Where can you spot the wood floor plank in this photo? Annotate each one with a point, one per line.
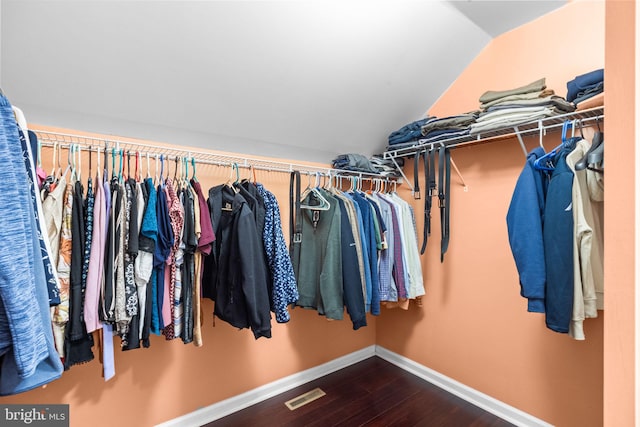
(369, 393)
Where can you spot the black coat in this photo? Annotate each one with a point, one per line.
(235, 273)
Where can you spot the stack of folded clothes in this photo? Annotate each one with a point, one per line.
(438, 129)
(585, 86)
(353, 162)
(514, 107)
(407, 135)
(386, 167)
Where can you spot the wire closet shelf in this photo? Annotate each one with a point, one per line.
(540, 127)
(169, 153)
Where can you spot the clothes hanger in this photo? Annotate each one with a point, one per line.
(542, 133)
(113, 163)
(137, 170)
(597, 157)
(68, 168)
(126, 161)
(155, 172)
(106, 162)
(175, 172)
(545, 163)
(193, 166)
(598, 139)
(98, 161)
(148, 167)
(53, 158)
(329, 184)
(324, 203)
(90, 169)
(72, 162)
(79, 165)
(121, 165)
(162, 170)
(232, 184)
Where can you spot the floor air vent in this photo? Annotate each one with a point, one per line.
(303, 399)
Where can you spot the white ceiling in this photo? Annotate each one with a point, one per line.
(295, 79)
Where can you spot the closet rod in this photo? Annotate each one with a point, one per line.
(49, 138)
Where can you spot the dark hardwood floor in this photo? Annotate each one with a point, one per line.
(373, 392)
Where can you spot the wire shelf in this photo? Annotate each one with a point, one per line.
(540, 126)
(168, 153)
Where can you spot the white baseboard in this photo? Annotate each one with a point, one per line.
(475, 397)
(228, 406)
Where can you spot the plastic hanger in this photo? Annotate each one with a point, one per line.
(113, 163)
(186, 171)
(598, 139)
(324, 203)
(128, 164)
(545, 163)
(162, 170)
(148, 167)
(90, 156)
(106, 162)
(234, 173)
(137, 172)
(98, 169)
(193, 166)
(69, 154)
(175, 172)
(121, 165)
(78, 167)
(53, 158)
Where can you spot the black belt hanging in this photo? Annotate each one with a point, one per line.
(444, 178)
(430, 185)
(416, 177)
(295, 220)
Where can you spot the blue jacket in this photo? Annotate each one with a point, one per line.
(558, 245)
(351, 279)
(525, 219)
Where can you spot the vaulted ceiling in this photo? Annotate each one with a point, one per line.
(294, 79)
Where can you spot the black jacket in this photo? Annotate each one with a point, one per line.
(235, 274)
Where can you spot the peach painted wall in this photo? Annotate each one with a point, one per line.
(171, 379)
(620, 77)
(474, 326)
